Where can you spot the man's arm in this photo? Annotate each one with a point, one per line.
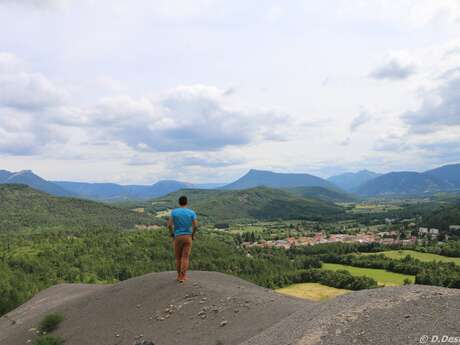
(194, 227)
(171, 227)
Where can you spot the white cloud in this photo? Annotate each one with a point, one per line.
(29, 92)
(397, 66)
(38, 3)
(9, 63)
(26, 108)
(392, 143)
(440, 108)
(360, 120)
(25, 133)
(188, 118)
(95, 92)
(23, 90)
(405, 13)
(206, 161)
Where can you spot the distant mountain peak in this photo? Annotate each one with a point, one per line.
(350, 181)
(259, 171)
(23, 172)
(27, 177)
(255, 178)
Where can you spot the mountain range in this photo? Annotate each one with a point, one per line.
(112, 191)
(98, 191)
(341, 187)
(442, 179)
(256, 178)
(28, 178)
(351, 181)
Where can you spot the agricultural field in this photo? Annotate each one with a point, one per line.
(366, 208)
(382, 277)
(312, 291)
(164, 213)
(246, 228)
(426, 257)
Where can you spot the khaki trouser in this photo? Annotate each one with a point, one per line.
(182, 249)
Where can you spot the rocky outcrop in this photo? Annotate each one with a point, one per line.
(217, 309)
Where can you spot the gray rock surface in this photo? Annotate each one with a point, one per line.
(384, 316)
(217, 309)
(156, 308)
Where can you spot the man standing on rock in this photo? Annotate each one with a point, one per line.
(182, 225)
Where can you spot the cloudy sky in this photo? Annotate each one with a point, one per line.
(201, 91)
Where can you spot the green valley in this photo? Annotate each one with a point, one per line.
(276, 238)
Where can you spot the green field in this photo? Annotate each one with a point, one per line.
(426, 257)
(246, 228)
(381, 276)
(312, 291)
(374, 208)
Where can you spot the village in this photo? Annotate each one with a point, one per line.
(393, 237)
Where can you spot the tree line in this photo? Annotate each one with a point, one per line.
(31, 262)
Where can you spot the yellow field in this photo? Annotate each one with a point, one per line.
(374, 208)
(312, 291)
(161, 214)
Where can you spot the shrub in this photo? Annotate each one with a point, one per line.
(50, 322)
(48, 340)
(407, 281)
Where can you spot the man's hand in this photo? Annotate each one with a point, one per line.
(194, 228)
(171, 227)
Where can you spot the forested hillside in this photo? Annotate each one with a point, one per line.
(22, 207)
(443, 217)
(325, 194)
(32, 262)
(257, 203)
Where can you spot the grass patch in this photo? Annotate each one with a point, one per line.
(50, 322)
(426, 257)
(48, 340)
(374, 208)
(312, 291)
(382, 277)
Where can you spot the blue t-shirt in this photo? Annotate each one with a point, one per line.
(182, 219)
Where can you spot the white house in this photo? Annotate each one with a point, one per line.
(422, 231)
(434, 231)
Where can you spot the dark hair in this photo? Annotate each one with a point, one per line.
(183, 200)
